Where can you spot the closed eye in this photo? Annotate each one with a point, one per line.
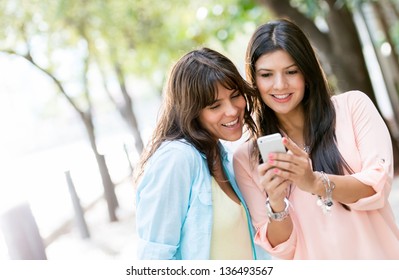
(236, 94)
(214, 106)
(265, 75)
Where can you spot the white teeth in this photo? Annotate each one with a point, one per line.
(231, 123)
(281, 96)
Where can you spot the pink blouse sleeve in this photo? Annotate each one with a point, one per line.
(247, 177)
(248, 181)
(375, 149)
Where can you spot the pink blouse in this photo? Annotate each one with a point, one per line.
(369, 230)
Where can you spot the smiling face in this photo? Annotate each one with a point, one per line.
(280, 82)
(224, 118)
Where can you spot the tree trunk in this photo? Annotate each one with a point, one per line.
(350, 69)
(389, 62)
(127, 110)
(109, 188)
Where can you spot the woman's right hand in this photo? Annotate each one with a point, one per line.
(275, 187)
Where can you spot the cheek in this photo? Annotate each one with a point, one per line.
(263, 85)
(303, 86)
(299, 81)
(264, 97)
(242, 104)
(207, 119)
(202, 119)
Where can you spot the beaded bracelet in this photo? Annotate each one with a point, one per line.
(326, 203)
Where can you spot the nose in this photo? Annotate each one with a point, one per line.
(231, 109)
(280, 82)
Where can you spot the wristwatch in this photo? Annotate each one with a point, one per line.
(279, 216)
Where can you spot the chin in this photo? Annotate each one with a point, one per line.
(233, 138)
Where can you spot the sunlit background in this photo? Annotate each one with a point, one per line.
(62, 60)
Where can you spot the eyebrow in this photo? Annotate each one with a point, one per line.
(265, 69)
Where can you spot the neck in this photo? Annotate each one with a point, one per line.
(292, 126)
(218, 171)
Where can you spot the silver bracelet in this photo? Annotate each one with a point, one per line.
(279, 216)
(326, 202)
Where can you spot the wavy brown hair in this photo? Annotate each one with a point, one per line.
(192, 86)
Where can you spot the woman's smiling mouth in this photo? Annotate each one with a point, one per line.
(231, 124)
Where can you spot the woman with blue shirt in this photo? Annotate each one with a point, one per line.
(188, 205)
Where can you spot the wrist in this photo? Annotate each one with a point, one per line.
(280, 215)
(318, 185)
(325, 199)
(276, 205)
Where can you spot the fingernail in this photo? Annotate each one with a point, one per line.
(271, 161)
(271, 156)
(275, 170)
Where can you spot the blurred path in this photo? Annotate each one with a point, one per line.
(116, 240)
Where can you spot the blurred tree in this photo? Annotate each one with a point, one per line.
(32, 24)
(331, 28)
(68, 40)
(383, 17)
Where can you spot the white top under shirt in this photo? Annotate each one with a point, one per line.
(230, 236)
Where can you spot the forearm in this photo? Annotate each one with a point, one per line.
(278, 231)
(347, 188)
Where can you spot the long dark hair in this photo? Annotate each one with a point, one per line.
(191, 87)
(320, 119)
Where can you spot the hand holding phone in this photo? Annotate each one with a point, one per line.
(269, 144)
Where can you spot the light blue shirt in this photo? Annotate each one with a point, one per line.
(174, 204)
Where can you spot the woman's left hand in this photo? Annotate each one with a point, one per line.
(294, 166)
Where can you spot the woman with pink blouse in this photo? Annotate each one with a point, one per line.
(327, 197)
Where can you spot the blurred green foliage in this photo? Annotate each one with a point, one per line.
(144, 37)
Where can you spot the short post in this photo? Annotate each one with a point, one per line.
(79, 213)
(21, 234)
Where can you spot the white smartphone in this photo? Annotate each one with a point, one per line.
(269, 144)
